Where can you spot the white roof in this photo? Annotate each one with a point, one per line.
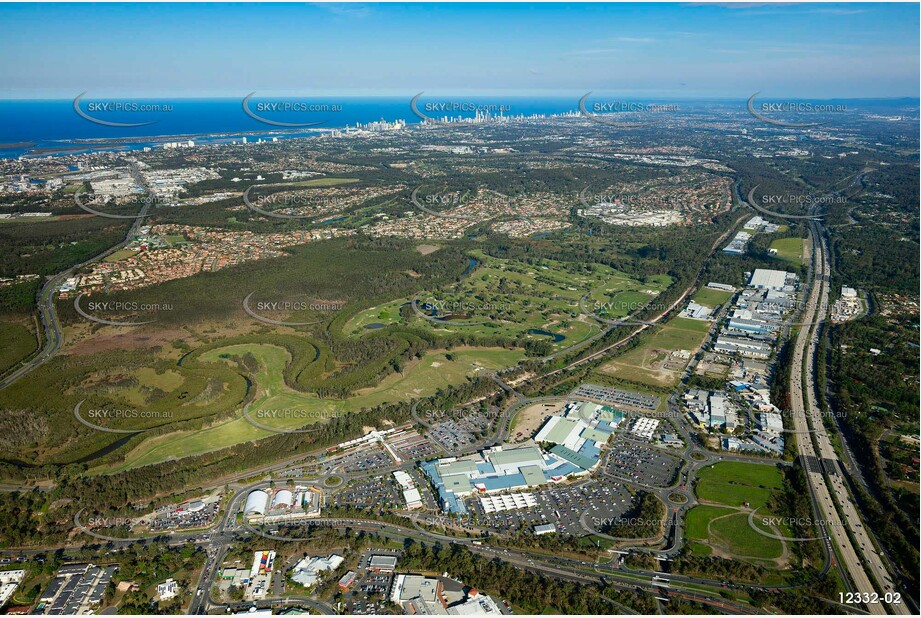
(405, 481)
(283, 496)
(764, 278)
(256, 502)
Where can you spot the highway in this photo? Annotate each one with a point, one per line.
(227, 529)
(819, 459)
(859, 558)
(53, 336)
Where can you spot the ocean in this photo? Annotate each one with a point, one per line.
(39, 127)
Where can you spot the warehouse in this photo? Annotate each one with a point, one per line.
(764, 278)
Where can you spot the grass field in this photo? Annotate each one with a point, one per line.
(121, 254)
(646, 364)
(18, 342)
(789, 249)
(733, 533)
(522, 301)
(698, 518)
(699, 549)
(711, 298)
(723, 527)
(285, 408)
(734, 483)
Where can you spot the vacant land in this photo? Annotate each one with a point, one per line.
(789, 249)
(528, 420)
(733, 533)
(426, 249)
(711, 298)
(653, 362)
(729, 491)
(735, 483)
(698, 520)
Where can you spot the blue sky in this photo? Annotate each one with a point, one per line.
(673, 50)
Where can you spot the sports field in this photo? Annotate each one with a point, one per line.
(277, 405)
(121, 254)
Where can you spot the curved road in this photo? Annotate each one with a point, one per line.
(53, 336)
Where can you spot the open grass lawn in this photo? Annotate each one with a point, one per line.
(789, 249)
(643, 363)
(279, 406)
(698, 518)
(711, 298)
(726, 528)
(734, 533)
(734, 483)
(699, 549)
(121, 254)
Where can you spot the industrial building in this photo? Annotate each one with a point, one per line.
(76, 589)
(761, 225)
(711, 410)
(764, 278)
(743, 347)
(695, 311)
(738, 244)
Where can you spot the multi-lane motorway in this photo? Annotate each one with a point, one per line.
(840, 521)
(844, 532)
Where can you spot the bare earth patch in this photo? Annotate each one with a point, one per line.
(528, 420)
